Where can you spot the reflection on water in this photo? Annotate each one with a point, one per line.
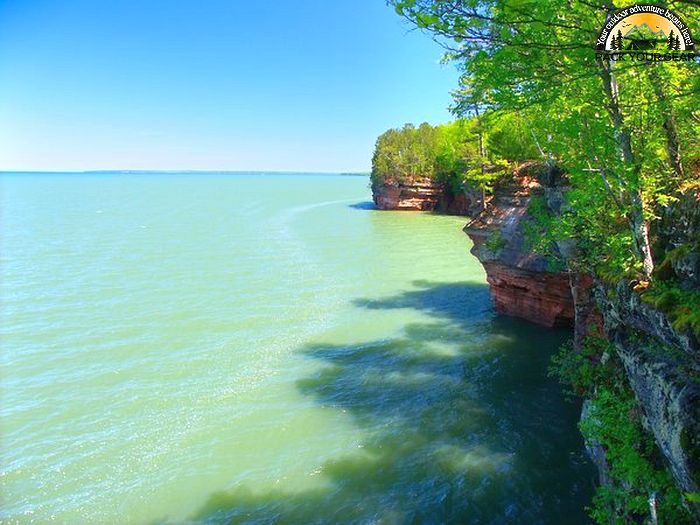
(465, 427)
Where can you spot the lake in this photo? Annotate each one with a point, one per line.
(249, 348)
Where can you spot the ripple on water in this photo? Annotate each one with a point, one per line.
(195, 351)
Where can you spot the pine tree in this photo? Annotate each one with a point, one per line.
(619, 39)
(677, 45)
(672, 40)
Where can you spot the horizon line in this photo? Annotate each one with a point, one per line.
(166, 171)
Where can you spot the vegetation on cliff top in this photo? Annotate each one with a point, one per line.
(465, 154)
(627, 133)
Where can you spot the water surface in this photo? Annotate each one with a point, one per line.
(246, 348)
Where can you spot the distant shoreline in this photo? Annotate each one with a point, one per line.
(188, 172)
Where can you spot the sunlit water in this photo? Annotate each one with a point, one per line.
(241, 348)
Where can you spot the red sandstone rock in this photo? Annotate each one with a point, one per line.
(425, 195)
(540, 297)
(417, 195)
(522, 283)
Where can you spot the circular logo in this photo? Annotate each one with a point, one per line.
(645, 27)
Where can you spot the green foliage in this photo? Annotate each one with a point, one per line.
(495, 241)
(604, 243)
(467, 153)
(509, 138)
(628, 133)
(541, 233)
(681, 306)
(406, 153)
(583, 371)
(614, 423)
(664, 269)
(457, 149)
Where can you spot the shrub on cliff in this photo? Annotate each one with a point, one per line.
(614, 423)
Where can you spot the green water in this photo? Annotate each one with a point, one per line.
(201, 348)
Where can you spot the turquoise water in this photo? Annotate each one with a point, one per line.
(245, 348)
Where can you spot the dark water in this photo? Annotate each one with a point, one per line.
(469, 437)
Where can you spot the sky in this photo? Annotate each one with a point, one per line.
(210, 84)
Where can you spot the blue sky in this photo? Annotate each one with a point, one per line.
(210, 84)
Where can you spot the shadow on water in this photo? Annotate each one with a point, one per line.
(366, 205)
(464, 425)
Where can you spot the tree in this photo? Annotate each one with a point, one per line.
(508, 138)
(618, 44)
(466, 154)
(672, 40)
(406, 153)
(602, 116)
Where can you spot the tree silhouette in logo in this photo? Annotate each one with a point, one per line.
(616, 42)
(674, 41)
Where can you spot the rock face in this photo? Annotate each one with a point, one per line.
(522, 282)
(418, 195)
(540, 297)
(661, 361)
(663, 367)
(425, 195)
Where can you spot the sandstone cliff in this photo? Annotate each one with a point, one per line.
(523, 283)
(425, 195)
(661, 358)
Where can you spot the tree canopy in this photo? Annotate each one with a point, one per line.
(464, 153)
(626, 131)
